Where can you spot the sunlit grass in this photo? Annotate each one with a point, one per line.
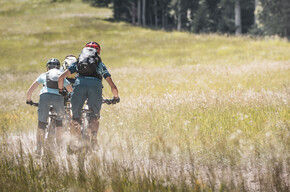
(61, 29)
(197, 112)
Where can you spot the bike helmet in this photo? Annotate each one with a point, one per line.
(68, 60)
(95, 45)
(53, 63)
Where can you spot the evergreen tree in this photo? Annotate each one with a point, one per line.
(101, 3)
(226, 22)
(203, 16)
(214, 14)
(274, 17)
(248, 14)
(201, 21)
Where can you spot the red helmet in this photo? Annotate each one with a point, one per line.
(94, 45)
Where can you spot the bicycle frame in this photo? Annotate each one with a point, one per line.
(67, 116)
(51, 126)
(86, 122)
(85, 117)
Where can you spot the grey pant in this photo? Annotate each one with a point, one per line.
(47, 99)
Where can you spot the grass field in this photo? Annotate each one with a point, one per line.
(197, 112)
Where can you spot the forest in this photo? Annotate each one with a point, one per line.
(254, 17)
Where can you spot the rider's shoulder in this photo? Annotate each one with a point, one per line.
(43, 74)
(73, 65)
(102, 64)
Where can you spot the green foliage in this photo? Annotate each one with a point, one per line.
(206, 15)
(226, 22)
(247, 11)
(59, 1)
(196, 16)
(201, 21)
(100, 3)
(274, 17)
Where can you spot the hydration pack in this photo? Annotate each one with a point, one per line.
(52, 78)
(88, 63)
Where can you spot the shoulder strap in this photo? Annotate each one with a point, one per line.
(96, 74)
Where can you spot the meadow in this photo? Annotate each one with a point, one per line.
(198, 112)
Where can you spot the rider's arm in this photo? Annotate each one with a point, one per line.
(114, 88)
(62, 77)
(31, 89)
(69, 88)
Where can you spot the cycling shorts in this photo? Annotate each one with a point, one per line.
(90, 89)
(47, 99)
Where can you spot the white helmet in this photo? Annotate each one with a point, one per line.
(68, 60)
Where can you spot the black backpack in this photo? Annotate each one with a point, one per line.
(88, 63)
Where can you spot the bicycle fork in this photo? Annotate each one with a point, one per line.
(50, 136)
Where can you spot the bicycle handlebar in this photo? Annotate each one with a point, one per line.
(106, 101)
(111, 101)
(32, 103)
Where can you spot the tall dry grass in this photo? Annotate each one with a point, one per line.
(177, 139)
(201, 113)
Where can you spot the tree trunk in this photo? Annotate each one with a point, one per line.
(132, 10)
(139, 12)
(255, 13)
(116, 15)
(144, 13)
(179, 15)
(150, 19)
(155, 13)
(238, 23)
(163, 17)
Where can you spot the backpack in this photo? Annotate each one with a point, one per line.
(88, 63)
(52, 78)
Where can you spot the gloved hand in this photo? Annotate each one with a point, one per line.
(29, 102)
(67, 97)
(107, 101)
(115, 100)
(62, 92)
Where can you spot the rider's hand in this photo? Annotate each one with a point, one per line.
(29, 102)
(67, 97)
(62, 92)
(115, 100)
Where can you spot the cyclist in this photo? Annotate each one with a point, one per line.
(88, 86)
(49, 95)
(68, 60)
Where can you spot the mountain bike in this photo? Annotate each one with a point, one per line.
(86, 136)
(86, 120)
(50, 137)
(68, 114)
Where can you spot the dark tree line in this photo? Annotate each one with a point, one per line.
(261, 17)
